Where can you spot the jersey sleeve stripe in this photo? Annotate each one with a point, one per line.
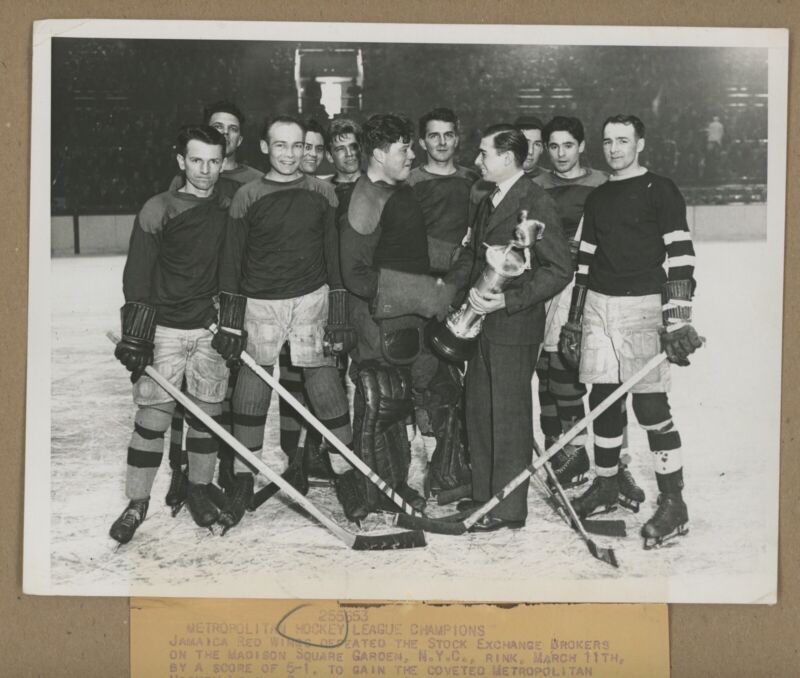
(583, 269)
(681, 261)
(676, 236)
(587, 247)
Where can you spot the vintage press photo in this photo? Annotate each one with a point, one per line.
(108, 100)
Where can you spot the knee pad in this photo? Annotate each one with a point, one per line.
(251, 395)
(154, 418)
(325, 391)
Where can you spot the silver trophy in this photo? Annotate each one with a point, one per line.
(455, 338)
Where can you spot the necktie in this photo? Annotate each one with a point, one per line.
(492, 197)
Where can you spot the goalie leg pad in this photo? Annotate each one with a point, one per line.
(382, 402)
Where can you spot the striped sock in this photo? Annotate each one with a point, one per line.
(201, 445)
(250, 406)
(146, 448)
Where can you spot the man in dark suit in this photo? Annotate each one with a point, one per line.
(499, 405)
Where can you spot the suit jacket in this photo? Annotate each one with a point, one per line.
(521, 322)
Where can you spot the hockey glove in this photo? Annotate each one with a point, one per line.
(135, 349)
(569, 342)
(401, 293)
(678, 338)
(231, 337)
(340, 335)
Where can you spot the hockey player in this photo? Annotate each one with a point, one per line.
(560, 391)
(442, 187)
(169, 282)
(227, 118)
(498, 397)
(313, 147)
(625, 309)
(291, 377)
(531, 127)
(443, 191)
(278, 260)
(344, 152)
(384, 257)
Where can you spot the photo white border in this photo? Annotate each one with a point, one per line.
(36, 577)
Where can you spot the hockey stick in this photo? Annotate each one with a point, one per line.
(341, 448)
(360, 542)
(606, 554)
(438, 526)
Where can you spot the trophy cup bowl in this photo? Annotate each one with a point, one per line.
(456, 337)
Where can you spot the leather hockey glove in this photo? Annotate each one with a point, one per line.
(678, 338)
(231, 337)
(135, 349)
(569, 343)
(340, 335)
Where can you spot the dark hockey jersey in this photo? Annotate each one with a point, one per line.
(229, 180)
(281, 240)
(630, 227)
(173, 257)
(570, 195)
(444, 200)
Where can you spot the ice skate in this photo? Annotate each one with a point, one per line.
(176, 494)
(240, 499)
(630, 494)
(572, 472)
(126, 525)
(669, 521)
(204, 511)
(350, 496)
(601, 497)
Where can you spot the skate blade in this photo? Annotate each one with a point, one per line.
(631, 504)
(175, 510)
(600, 511)
(668, 540)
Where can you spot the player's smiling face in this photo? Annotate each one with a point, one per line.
(284, 148)
(313, 152)
(440, 141)
(201, 165)
(535, 148)
(396, 160)
(227, 125)
(565, 152)
(346, 154)
(621, 147)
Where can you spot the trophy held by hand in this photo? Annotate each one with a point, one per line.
(455, 338)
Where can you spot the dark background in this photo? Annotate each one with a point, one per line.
(117, 104)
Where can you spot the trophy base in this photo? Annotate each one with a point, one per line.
(448, 346)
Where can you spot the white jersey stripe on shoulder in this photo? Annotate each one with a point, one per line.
(587, 247)
(685, 260)
(676, 236)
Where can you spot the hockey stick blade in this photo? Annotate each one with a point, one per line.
(607, 555)
(606, 528)
(388, 542)
(395, 541)
(432, 525)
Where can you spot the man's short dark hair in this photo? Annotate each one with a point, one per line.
(313, 126)
(528, 122)
(342, 126)
(224, 106)
(286, 119)
(563, 123)
(384, 129)
(638, 125)
(441, 114)
(508, 138)
(204, 133)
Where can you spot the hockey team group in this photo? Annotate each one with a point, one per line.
(363, 275)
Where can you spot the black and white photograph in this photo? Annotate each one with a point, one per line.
(405, 311)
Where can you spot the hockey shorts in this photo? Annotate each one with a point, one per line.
(179, 354)
(620, 334)
(270, 323)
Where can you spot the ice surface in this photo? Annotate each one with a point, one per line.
(725, 406)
